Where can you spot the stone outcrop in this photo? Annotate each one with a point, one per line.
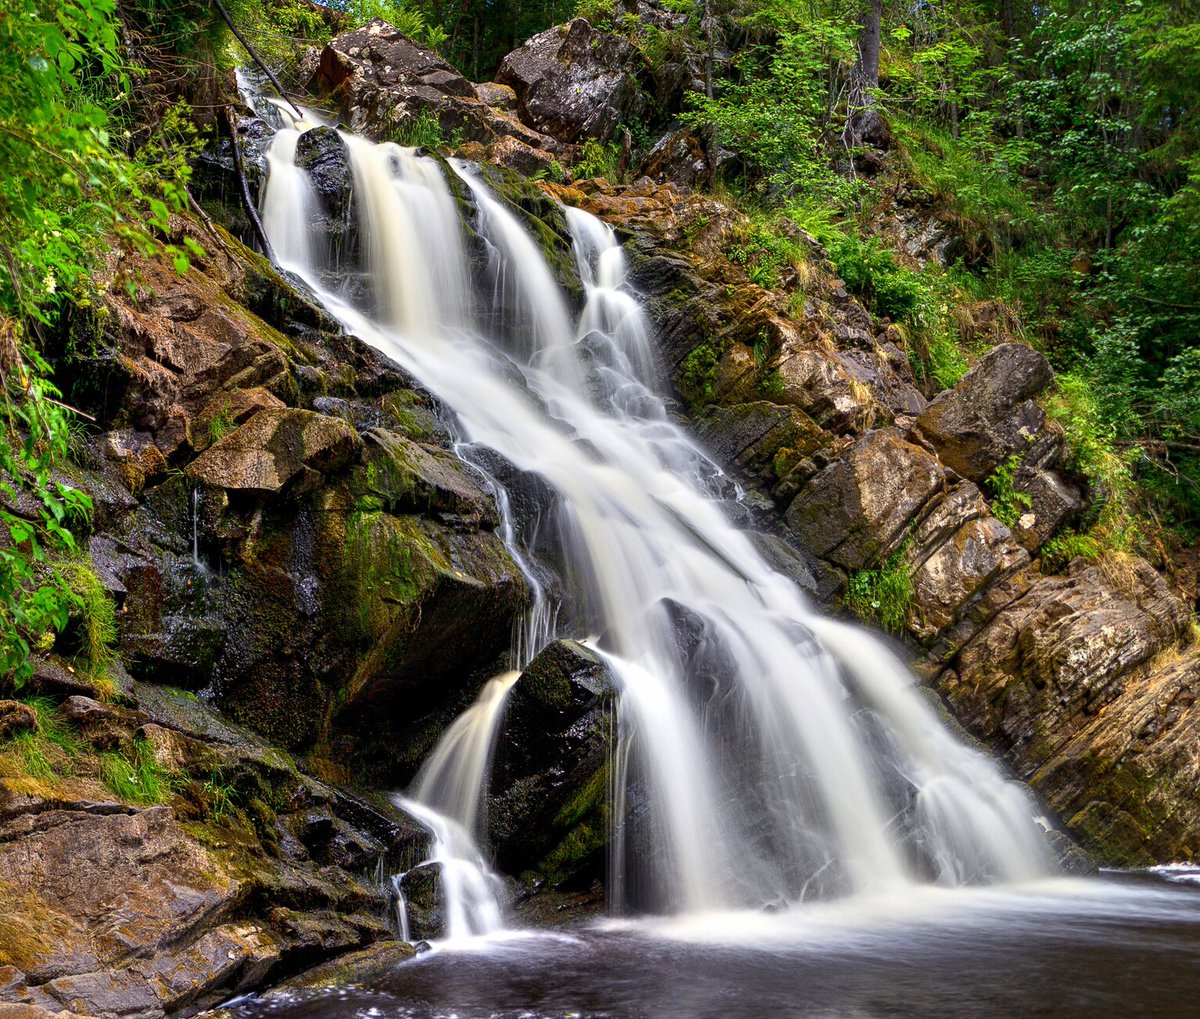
(385, 83)
(548, 809)
(245, 871)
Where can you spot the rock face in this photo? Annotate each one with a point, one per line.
(117, 909)
(1083, 683)
(855, 512)
(574, 82)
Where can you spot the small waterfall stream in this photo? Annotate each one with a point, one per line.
(783, 755)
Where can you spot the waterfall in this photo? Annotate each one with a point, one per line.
(776, 755)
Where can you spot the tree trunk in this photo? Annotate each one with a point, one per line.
(863, 122)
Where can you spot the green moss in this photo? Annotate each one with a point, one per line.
(697, 379)
(93, 616)
(586, 816)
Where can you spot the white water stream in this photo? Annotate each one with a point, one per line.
(776, 755)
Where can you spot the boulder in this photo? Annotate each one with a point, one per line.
(575, 82)
(377, 54)
(548, 809)
(857, 510)
(989, 415)
(385, 82)
(273, 448)
(517, 155)
(322, 155)
(16, 717)
(823, 388)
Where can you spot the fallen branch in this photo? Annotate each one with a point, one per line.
(255, 57)
(247, 198)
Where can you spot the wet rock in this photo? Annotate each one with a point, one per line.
(548, 809)
(322, 154)
(359, 967)
(575, 82)
(273, 448)
(422, 891)
(856, 511)
(989, 415)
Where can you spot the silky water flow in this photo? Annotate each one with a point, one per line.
(776, 755)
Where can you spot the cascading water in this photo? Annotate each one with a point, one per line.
(777, 755)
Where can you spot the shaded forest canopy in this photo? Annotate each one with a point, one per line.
(1062, 139)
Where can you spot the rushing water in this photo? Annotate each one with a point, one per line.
(780, 756)
(804, 825)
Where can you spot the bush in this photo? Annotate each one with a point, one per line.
(883, 595)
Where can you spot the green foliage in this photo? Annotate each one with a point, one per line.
(1091, 439)
(48, 751)
(222, 424)
(138, 778)
(597, 159)
(1062, 548)
(403, 15)
(422, 131)
(883, 595)
(1008, 502)
(68, 193)
(763, 253)
(600, 13)
(93, 613)
(870, 270)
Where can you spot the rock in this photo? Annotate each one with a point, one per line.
(680, 158)
(574, 82)
(104, 887)
(377, 54)
(15, 718)
(856, 511)
(359, 967)
(422, 891)
(322, 154)
(1079, 684)
(273, 448)
(228, 409)
(517, 155)
(988, 416)
(978, 553)
(766, 439)
(384, 83)
(548, 812)
(498, 97)
(823, 388)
